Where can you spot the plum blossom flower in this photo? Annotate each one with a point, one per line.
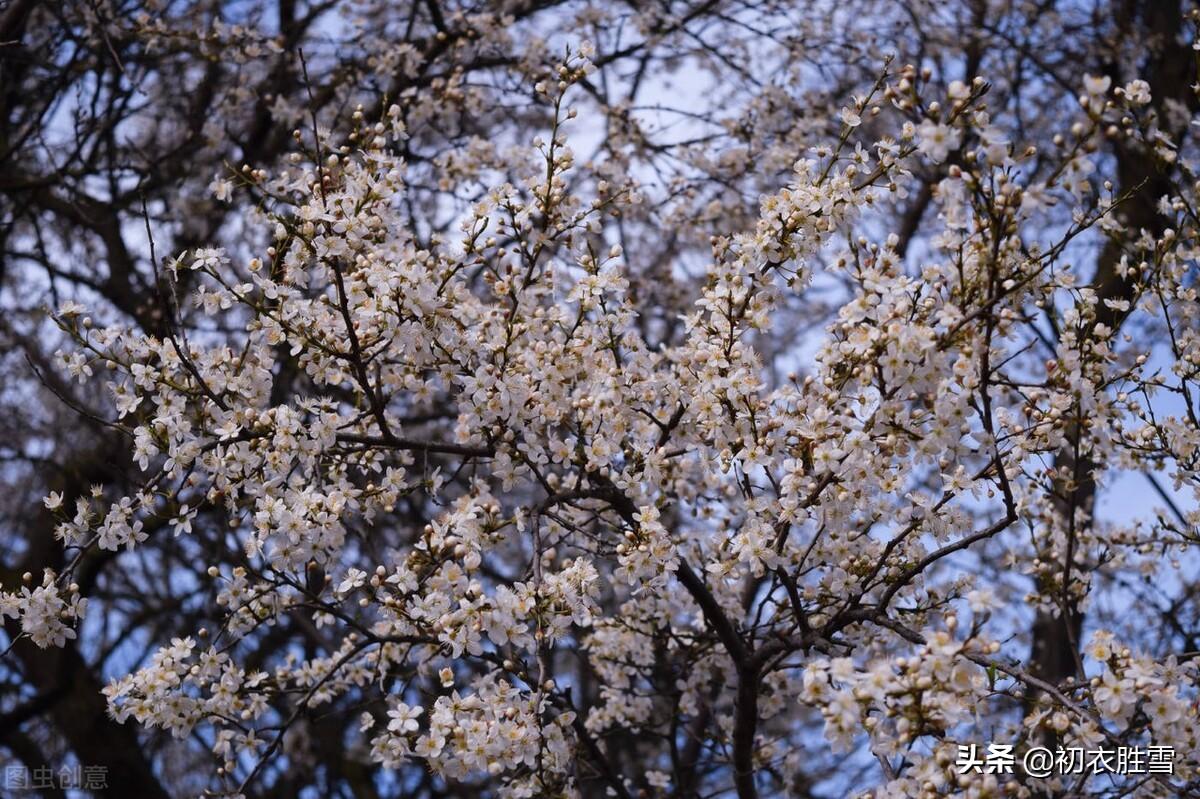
(936, 140)
(403, 718)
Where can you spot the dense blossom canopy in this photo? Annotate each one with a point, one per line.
(554, 400)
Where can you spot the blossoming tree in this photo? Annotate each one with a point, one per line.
(764, 461)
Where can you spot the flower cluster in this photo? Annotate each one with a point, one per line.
(516, 508)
